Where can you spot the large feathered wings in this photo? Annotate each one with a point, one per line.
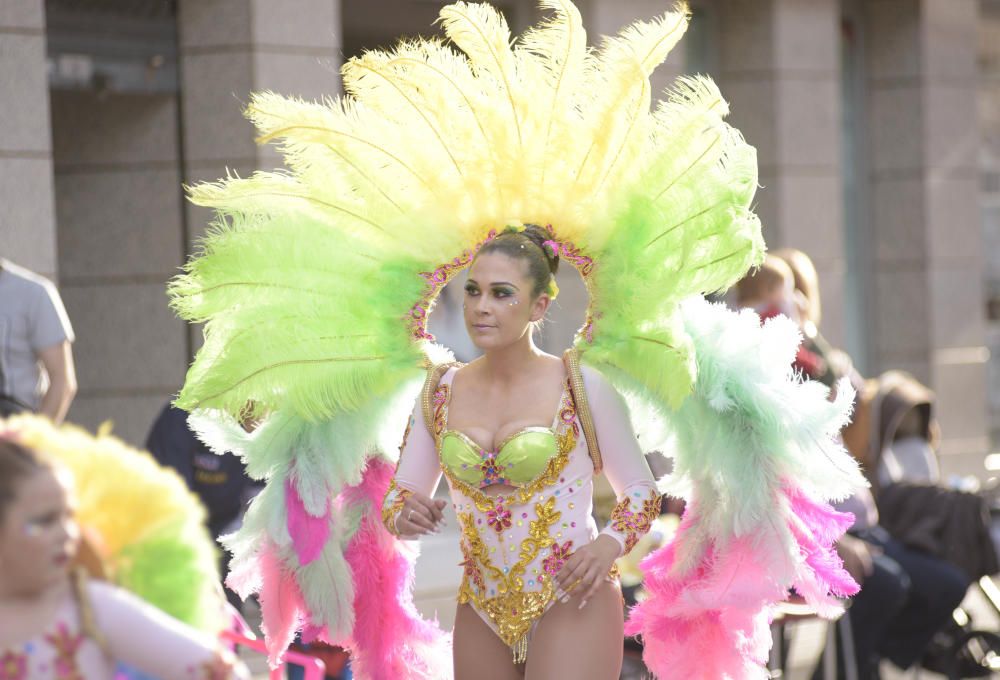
(315, 282)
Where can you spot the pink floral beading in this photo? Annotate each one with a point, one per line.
(13, 666)
(560, 553)
(491, 469)
(498, 518)
(66, 645)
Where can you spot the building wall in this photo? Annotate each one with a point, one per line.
(124, 228)
(230, 48)
(118, 206)
(989, 158)
(922, 144)
(779, 67)
(27, 214)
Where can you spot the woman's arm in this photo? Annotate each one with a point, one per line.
(630, 477)
(624, 463)
(148, 640)
(58, 362)
(408, 509)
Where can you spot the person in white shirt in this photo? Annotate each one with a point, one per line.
(36, 357)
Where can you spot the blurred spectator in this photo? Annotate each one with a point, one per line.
(918, 510)
(220, 481)
(904, 434)
(770, 291)
(36, 360)
(823, 362)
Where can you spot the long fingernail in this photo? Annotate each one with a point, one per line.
(582, 605)
(565, 599)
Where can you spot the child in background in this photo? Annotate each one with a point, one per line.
(57, 623)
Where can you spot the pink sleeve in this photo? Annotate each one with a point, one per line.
(152, 642)
(418, 468)
(624, 463)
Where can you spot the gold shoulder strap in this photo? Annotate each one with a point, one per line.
(571, 358)
(88, 623)
(434, 375)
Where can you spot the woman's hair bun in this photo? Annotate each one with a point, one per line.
(539, 236)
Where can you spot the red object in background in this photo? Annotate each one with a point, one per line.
(334, 658)
(314, 668)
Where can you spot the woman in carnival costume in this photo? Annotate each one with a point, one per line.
(315, 286)
(144, 536)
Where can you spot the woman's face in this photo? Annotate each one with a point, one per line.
(38, 535)
(498, 306)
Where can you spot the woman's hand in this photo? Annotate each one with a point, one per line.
(420, 515)
(587, 569)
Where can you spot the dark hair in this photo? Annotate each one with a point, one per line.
(528, 245)
(17, 462)
(772, 273)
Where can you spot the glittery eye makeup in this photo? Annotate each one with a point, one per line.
(34, 528)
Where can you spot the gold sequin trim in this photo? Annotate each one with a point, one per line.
(572, 360)
(434, 375)
(88, 622)
(634, 525)
(391, 510)
(512, 610)
(442, 395)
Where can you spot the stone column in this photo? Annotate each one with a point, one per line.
(27, 216)
(230, 48)
(989, 125)
(927, 238)
(779, 67)
(118, 202)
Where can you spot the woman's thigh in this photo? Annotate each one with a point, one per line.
(583, 644)
(478, 653)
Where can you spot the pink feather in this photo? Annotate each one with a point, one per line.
(816, 527)
(281, 604)
(309, 533)
(712, 622)
(687, 638)
(390, 641)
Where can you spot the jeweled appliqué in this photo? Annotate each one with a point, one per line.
(13, 666)
(557, 558)
(635, 524)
